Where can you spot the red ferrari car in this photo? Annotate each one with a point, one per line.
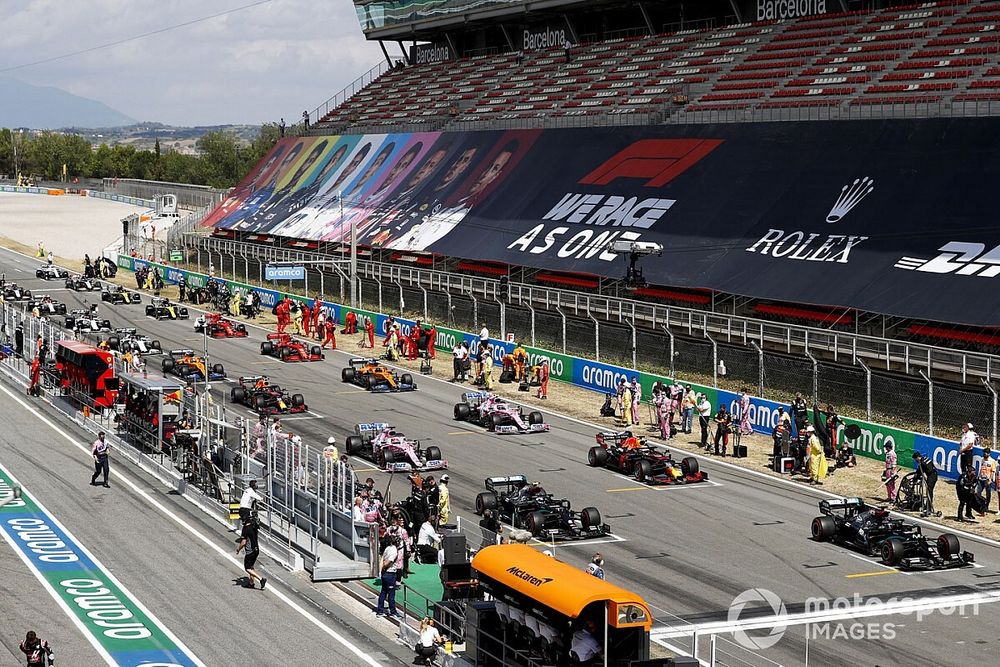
(286, 348)
(219, 327)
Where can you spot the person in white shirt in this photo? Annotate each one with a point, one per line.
(585, 645)
(388, 566)
(358, 514)
(484, 335)
(704, 414)
(248, 500)
(428, 642)
(459, 352)
(427, 542)
(967, 443)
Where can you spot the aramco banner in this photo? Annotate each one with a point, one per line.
(878, 215)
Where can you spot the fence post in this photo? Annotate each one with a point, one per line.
(670, 337)
(993, 392)
(563, 315)
(631, 325)
(503, 318)
(531, 309)
(424, 290)
(815, 376)
(930, 402)
(475, 309)
(868, 387)
(715, 358)
(597, 336)
(760, 368)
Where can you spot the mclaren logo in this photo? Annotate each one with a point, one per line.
(850, 196)
(531, 579)
(960, 258)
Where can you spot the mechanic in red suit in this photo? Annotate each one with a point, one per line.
(315, 314)
(329, 331)
(350, 323)
(306, 318)
(370, 330)
(412, 340)
(543, 379)
(284, 312)
(36, 376)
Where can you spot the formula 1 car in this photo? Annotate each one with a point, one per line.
(49, 272)
(80, 283)
(391, 450)
(497, 415)
(632, 455)
(85, 320)
(188, 366)
(13, 292)
(375, 377)
(117, 295)
(286, 348)
(47, 306)
(162, 309)
(130, 340)
(527, 506)
(219, 327)
(257, 393)
(873, 531)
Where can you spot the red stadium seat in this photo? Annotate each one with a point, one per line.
(824, 317)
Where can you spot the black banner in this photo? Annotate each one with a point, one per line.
(887, 216)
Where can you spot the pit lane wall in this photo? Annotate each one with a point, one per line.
(600, 377)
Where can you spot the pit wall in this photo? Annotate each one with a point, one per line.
(601, 378)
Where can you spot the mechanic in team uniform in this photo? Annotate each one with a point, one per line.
(248, 501)
(596, 566)
(36, 650)
(249, 543)
(101, 451)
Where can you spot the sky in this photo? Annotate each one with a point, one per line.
(250, 66)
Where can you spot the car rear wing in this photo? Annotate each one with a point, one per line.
(507, 482)
(475, 397)
(827, 506)
(360, 361)
(128, 331)
(172, 352)
(370, 429)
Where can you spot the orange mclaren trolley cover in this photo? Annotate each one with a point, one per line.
(558, 586)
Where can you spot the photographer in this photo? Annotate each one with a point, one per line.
(723, 424)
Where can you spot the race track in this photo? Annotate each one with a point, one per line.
(688, 550)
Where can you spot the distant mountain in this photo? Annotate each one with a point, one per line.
(44, 107)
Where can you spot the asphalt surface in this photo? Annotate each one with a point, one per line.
(688, 550)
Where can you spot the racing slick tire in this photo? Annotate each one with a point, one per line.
(218, 368)
(535, 522)
(348, 375)
(487, 500)
(405, 378)
(298, 400)
(597, 456)
(353, 444)
(242, 328)
(892, 551)
(433, 453)
(260, 403)
(106, 324)
(643, 470)
(689, 466)
(156, 345)
(823, 528)
(462, 412)
(590, 517)
(948, 545)
(105, 296)
(285, 353)
(150, 310)
(38, 273)
(535, 417)
(61, 309)
(168, 365)
(267, 347)
(114, 342)
(238, 395)
(316, 351)
(489, 422)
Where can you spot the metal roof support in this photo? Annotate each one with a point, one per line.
(649, 21)
(385, 52)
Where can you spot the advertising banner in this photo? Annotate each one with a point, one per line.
(806, 213)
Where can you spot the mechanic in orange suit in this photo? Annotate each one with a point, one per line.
(520, 359)
(543, 379)
(329, 334)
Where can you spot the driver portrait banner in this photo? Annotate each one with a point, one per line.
(882, 216)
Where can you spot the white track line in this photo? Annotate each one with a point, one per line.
(225, 555)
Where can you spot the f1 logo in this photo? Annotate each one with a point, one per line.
(659, 161)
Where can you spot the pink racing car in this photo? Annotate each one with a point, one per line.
(497, 415)
(391, 451)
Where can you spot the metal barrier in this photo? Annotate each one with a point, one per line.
(191, 196)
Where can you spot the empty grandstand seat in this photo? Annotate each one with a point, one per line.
(826, 317)
(955, 335)
(568, 280)
(698, 297)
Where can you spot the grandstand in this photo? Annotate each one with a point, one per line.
(925, 59)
